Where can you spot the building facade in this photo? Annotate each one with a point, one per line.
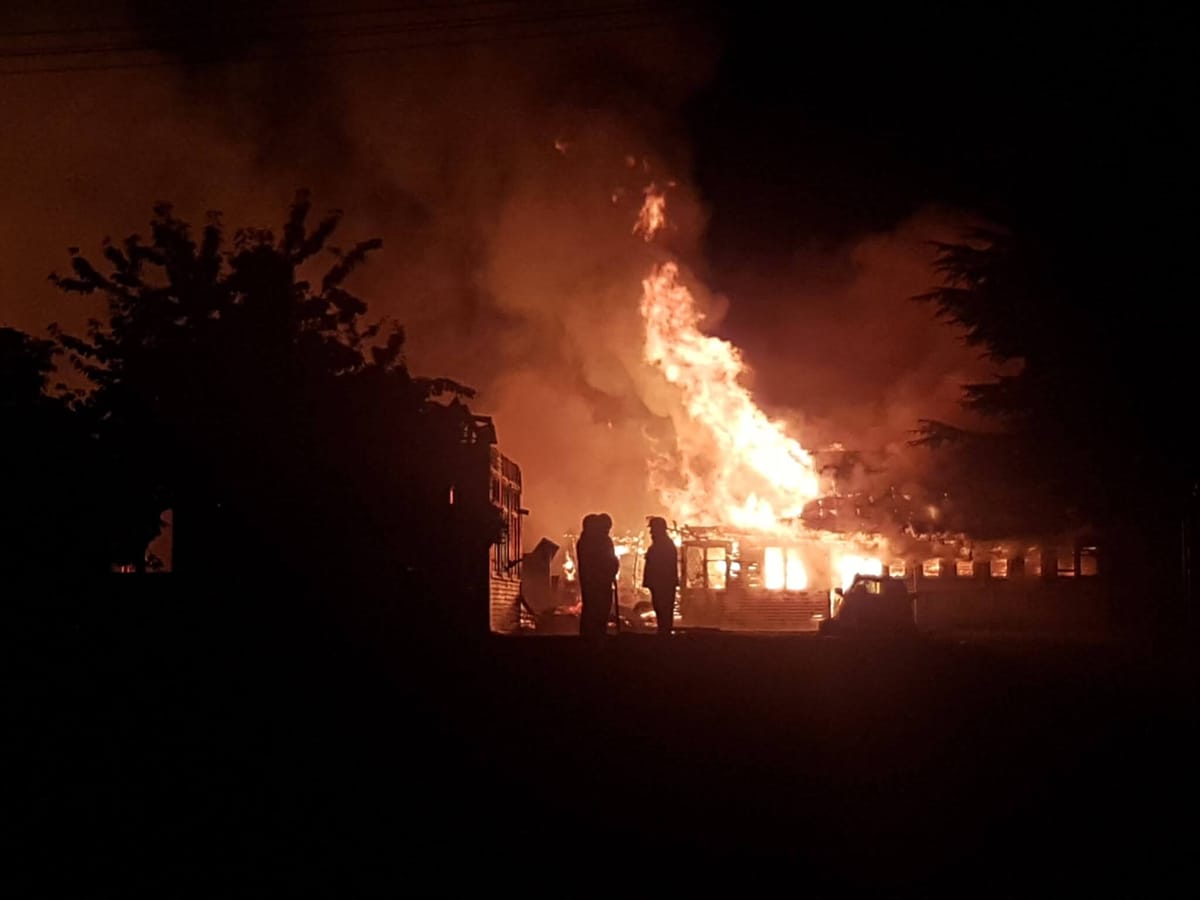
(496, 580)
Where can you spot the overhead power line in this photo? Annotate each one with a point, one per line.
(366, 30)
(660, 19)
(182, 22)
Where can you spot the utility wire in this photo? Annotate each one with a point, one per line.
(262, 17)
(356, 51)
(355, 31)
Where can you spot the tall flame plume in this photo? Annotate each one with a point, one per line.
(731, 463)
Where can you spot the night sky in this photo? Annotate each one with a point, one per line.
(839, 125)
(816, 156)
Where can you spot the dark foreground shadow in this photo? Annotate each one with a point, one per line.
(168, 739)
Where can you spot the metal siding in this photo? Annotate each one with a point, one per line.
(774, 611)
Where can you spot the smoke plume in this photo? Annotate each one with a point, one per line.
(504, 176)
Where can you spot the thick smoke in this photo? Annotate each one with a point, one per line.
(504, 178)
(849, 357)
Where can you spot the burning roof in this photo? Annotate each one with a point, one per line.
(731, 467)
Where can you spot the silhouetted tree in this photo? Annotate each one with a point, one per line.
(1079, 438)
(283, 431)
(25, 365)
(52, 476)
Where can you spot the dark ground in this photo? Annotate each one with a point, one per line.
(191, 746)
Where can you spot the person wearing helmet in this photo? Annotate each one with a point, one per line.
(661, 574)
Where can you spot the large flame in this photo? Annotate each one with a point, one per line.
(731, 463)
(731, 466)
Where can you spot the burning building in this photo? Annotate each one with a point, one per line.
(733, 481)
(737, 483)
(769, 531)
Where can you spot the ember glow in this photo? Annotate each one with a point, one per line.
(731, 463)
(653, 215)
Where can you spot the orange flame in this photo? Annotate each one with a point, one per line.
(731, 464)
(848, 565)
(653, 217)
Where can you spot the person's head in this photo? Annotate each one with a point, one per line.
(590, 523)
(658, 527)
(604, 523)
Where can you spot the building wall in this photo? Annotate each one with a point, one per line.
(1049, 589)
(760, 610)
(1019, 604)
(505, 606)
(504, 557)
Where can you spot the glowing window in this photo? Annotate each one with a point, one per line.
(706, 567)
(964, 568)
(773, 569)
(1033, 561)
(716, 568)
(694, 566)
(716, 575)
(795, 577)
(1089, 563)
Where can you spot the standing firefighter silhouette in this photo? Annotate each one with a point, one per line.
(661, 574)
(598, 566)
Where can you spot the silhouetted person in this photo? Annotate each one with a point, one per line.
(661, 574)
(598, 565)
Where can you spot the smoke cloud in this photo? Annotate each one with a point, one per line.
(848, 357)
(505, 178)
